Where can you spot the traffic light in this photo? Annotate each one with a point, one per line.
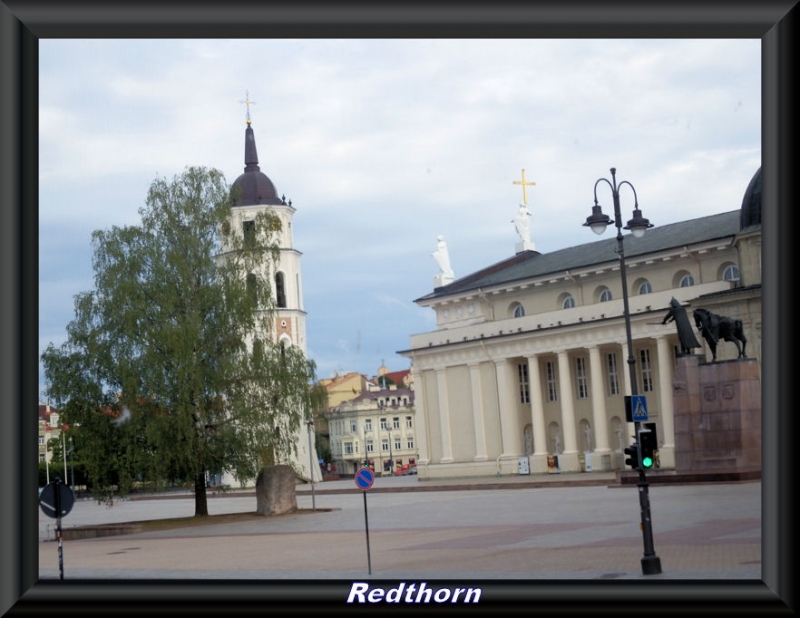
(632, 452)
(648, 445)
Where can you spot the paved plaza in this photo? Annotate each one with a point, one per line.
(409, 529)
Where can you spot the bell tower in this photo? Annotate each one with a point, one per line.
(254, 193)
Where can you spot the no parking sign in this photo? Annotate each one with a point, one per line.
(364, 479)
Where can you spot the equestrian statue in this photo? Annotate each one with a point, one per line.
(677, 313)
(715, 327)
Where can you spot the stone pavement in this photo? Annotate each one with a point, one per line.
(580, 526)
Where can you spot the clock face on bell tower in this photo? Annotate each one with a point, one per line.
(283, 326)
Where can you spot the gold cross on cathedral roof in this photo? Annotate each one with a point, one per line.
(248, 103)
(525, 184)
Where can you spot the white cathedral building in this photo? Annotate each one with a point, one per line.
(528, 361)
(255, 193)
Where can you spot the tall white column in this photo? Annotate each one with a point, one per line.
(567, 404)
(539, 458)
(666, 370)
(505, 394)
(444, 416)
(421, 416)
(599, 416)
(477, 412)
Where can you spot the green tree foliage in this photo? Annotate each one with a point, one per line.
(170, 368)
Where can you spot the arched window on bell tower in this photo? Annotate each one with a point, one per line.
(280, 291)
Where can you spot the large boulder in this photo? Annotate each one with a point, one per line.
(275, 490)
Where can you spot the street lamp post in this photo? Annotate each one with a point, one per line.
(310, 424)
(391, 456)
(72, 461)
(597, 221)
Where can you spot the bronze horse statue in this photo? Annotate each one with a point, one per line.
(715, 327)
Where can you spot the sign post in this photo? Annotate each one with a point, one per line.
(364, 480)
(56, 501)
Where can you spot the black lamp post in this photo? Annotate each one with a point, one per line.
(391, 456)
(597, 221)
(310, 424)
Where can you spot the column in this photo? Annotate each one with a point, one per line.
(539, 458)
(444, 416)
(567, 410)
(505, 397)
(666, 450)
(599, 416)
(420, 430)
(477, 411)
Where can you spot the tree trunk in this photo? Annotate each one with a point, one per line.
(200, 498)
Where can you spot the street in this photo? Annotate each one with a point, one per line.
(700, 531)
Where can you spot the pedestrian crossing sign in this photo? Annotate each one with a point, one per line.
(637, 409)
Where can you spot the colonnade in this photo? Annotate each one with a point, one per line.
(513, 418)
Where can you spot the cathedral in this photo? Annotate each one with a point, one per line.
(528, 364)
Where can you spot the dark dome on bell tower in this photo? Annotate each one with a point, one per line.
(751, 203)
(256, 188)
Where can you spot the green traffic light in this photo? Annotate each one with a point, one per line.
(647, 462)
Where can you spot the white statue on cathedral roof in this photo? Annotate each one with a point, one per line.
(442, 257)
(521, 223)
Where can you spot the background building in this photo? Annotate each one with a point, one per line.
(528, 359)
(49, 428)
(376, 428)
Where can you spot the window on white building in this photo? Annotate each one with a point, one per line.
(408, 422)
(647, 370)
(613, 379)
(385, 444)
(348, 448)
(409, 443)
(370, 446)
(384, 424)
(580, 369)
(524, 383)
(551, 381)
(397, 444)
(645, 287)
(396, 422)
(353, 425)
(568, 302)
(731, 273)
(605, 295)
(368, 425)
(687, 281)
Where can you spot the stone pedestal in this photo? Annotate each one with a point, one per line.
(275, 491)
(717, 415)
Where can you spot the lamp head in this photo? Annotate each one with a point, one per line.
(638, 225)
(598, 221)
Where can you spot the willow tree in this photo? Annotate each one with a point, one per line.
(170, 368)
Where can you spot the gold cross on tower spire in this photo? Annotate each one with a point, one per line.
(525, 185)
(248, 103)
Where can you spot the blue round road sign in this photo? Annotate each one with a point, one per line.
(364, 479)
(57, 499)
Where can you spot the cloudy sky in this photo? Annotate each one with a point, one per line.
(381, 145)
